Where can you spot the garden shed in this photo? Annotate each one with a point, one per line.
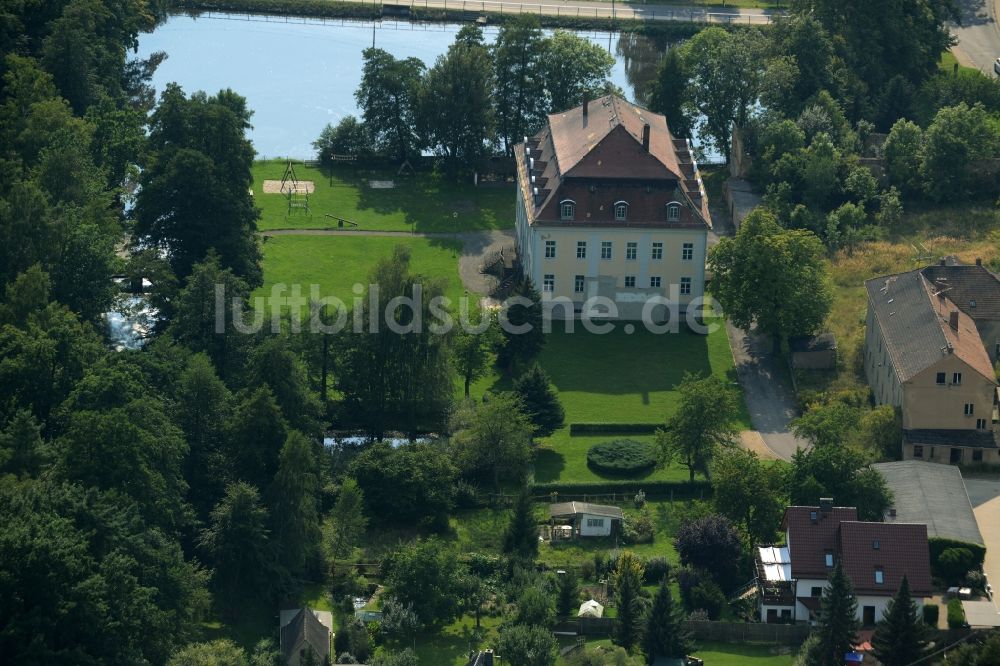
(588, 520)
(814, 352)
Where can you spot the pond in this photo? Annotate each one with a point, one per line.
(300, 74)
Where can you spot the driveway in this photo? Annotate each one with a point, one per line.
(984, 493)
(768, 396)
(978, 36)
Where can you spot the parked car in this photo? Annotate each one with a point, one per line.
(996, 66)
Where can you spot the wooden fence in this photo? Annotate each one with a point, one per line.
(753, 632)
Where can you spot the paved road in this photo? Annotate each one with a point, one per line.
(979, 34)
(768, 396)
(605, 9)
(984, 493)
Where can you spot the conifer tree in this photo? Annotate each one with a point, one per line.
(838, 630)
(293, 499)
(626, 580)
(521, 538)
(349, 519)
(664, 635)
(568, 593)
(540, 401)
(901, 637)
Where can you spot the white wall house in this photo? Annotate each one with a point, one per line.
(587, 520)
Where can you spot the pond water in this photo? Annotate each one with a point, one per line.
(300, 74)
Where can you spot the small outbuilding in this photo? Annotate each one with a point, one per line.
(305, 631)
(586, 519)
(814, 352)
(591, 609)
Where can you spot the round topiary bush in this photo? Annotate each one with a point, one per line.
(622, 457)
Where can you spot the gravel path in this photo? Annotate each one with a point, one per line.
(475, 246)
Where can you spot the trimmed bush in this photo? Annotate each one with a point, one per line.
(937, 545)
(954, 564)
(622, 456)
(613, 428)
(956, 614)
(931, 613)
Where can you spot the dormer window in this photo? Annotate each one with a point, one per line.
(673, 211)
(829, 560)
(567, 209)
(879, 577)
(621, 211)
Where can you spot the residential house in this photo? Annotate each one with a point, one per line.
(874, 556)
(304, 630)
(925, 354)
(610, 204)
(586, 519)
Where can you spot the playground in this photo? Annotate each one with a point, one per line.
(305, 195)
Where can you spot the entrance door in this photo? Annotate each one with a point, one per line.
(772, 615)
(868, 616)
(956, 456)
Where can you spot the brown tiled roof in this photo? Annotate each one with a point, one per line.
(599, 158)
(902, 551)
(914, 318)
(974, 289)
(809, 542)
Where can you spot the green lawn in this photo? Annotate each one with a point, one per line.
(336, 263)
(450, 646)
(421, 203)
(744, 654)
(564, 458)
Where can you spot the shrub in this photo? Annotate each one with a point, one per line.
(938, 545)
(639, 528)
(956, 614)
(622, 456)
(954, 564)
(707, 596)
(689, 578)
(587, 570)
(657, 568)
(931, 613)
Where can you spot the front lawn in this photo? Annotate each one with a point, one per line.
(421, 203)
(563, 458)
(744, 654)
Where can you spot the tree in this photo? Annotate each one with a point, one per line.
(838, 624)
(255, 433)
(348, 137)
(493, 437)
(195, 191)
(202, 402)
(626, 582)
(827, 423)
(957, 136)
(528, 646)
(425, 575)
(702, 423)
(456, 113)
(349, 520)
(238, 542)
(664, 634)
(524, 336)
(669, 90)
(405, 658)
(712, 544)
(726, 70)
(275, 365)
(293, 501)
(841, 473)
(399, 622)
(520, 539)
(395, 370)
(387, 97)
(881, 431)
(749, 492)
(903, 148)
(407, 484)
(534, 607)
(573, 68)
(539, 400)
(517, 57)
(22, 450)
(222, 652)
(772, 278)
(567, 592)
(473, 350)
(901, 637)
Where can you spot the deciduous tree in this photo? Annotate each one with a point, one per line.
(702, 423)
(387, 98)
(518, 55)
(573, 67)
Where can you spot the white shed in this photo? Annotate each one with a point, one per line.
(591, 609)
(588, 520)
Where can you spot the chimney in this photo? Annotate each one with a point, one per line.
(586, 103)
(645, 137)
(979, 261)
(826, 505)
(953, 319)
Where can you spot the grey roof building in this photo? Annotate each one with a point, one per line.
(931, 494)
(305, 631)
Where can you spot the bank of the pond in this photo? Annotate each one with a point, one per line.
(670, 24)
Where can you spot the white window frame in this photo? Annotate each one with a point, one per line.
(673, 211)
(563, 208)
(595, 522)
(879, 577)
(581, 249)
(630, 279)
(655, 282)
(828, 559)
(685, 286)
(550, 249)
(607, 249)
(631, 251)
(657, 252)
(621, 211)
(549, 283)
(579, 284)
(970, 409)
(956, 378)
(687, 252)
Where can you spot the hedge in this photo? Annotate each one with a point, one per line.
(956, 614)
(679, 490)
(613, 428)
(938, 545)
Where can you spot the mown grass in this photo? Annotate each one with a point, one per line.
(337, 263)
(562, 457)
(421, 203)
